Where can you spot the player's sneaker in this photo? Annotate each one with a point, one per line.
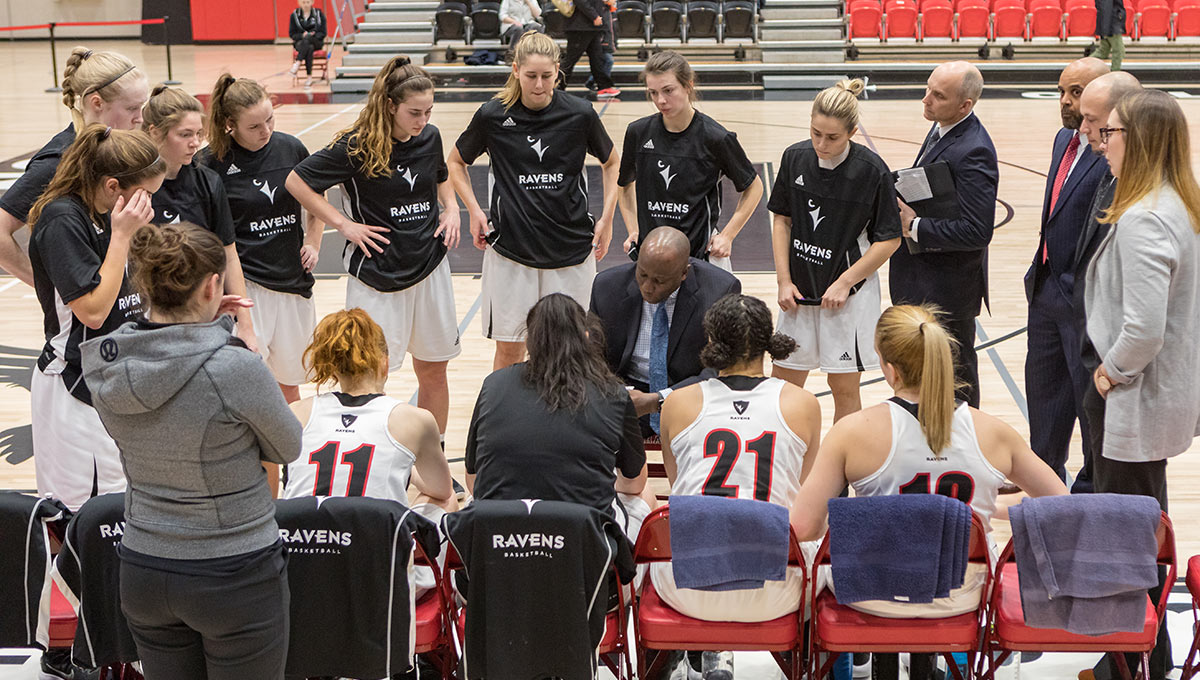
(684, 671)
(608, 93)
(716, 665)
(862, 665)
(295, 68)
(56, 665)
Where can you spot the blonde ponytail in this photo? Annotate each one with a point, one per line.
(840, 102)
(911, 339)
(530, 45)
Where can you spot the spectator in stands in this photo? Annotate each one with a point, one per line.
(557, 426)
(518, 17)
(1055, 378)
(584, 29)
(919, 436)
(944, 261)
(307, 30)
(195, 414)
(608, 41)
(1110, 27)
(1143, 310)
(654, 352)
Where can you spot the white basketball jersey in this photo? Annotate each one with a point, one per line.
(961, 471)
(349, 451)
(739, 446)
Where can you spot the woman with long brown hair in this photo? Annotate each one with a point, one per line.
(277, 244)
(391, 167)
(82, 226)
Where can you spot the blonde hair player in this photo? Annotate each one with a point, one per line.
(834, 224)
(390, 165)
(539, 237)
(98, 87)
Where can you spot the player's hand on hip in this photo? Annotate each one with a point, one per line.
(720, 245)
(789, 296)
(602, 238)
(367, 237)
(448, 227)
(479, 229)
(129, 216)
(835, 296)
(309, 257)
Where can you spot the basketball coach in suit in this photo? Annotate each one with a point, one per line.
(945, 261)
(652, 313)
(1055, 377)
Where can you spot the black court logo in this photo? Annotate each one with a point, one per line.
(741, 406)
(108, 349)
(348, 419)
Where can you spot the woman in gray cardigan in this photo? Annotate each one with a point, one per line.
(1142, 298)
(195, 415)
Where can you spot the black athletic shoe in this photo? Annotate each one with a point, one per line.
(56, 665)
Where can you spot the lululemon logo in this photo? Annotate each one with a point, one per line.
(108, 349)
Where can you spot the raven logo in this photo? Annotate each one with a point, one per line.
(168, 219)
(348, 419)
(815, 214)
(409, 176)
(537, 146)
(529, 503)
(741, 406)
(265, 187)
(666, 174)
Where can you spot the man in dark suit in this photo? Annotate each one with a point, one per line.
(1054, 374)
(659, 300)
(945, 260)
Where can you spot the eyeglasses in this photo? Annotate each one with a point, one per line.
(1106, 133)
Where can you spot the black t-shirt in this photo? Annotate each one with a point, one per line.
(836, 214)
(405, 202)
(539, 200)
(517, 448)
(679, 174)
(66, 250)
(196, 195)
(21, 196)
(266, 218)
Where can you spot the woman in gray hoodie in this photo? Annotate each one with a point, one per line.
(195, 415)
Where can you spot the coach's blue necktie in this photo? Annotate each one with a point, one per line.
(660, 334)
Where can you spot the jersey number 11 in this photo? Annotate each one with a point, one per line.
(326, 460)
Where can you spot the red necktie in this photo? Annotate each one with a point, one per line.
(1064, 168)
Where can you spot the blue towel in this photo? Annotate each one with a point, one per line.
(891, 547)
(1086, 561)
(956, 541)
(726, 543)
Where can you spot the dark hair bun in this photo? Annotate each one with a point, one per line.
(780, 346)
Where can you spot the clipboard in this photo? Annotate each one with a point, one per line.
(932, 193)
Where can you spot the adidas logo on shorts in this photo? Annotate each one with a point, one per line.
(649, 144)
(508, 122)
(233, 169)
(846, 357)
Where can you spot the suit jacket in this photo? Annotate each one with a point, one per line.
(1062, 227)
(617, 302)
(1110, 18)
(951, 268)
(585, 13)
(1090, 237)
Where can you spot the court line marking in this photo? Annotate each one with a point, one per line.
(10, 284)
(326, 119)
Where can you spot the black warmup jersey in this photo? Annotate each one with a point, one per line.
(538, 187)
(196, 195)
(405, 202)
(266, 218)
(24, 564)
(678, 175)
(21, 196)
(836, 214)
(66, 250)
(348, 569)
(538, 576)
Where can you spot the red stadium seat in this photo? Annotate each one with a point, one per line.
(1009, 20)
(840, 628)
(658, 628)
(1046, 19)
(973, 20)
(864, 22)
(1187, 19)
(1193, 586)
(1153, 20)
(1010, 634)
(937, 19)
(1130, 17)
(1081, 18)
(900, 19)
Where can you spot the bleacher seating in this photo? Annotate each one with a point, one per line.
(937, 19)
(1080, 18)
(1187, 19)
(739, 19)
(900, 19)
(1153, 20)
(450, 21)
(666, 19)
(556, 23)
(864, 19)
(632, 19)
(485, 21)
(1009, 20)
(1045, 19)
(974, 19)
(703, 17)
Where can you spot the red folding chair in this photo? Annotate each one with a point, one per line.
(62, 635)
(614, 646)
(432, 617)
(320, 62)
(659, 629)
(839, 628)
(1193, 586)
(1010, 634)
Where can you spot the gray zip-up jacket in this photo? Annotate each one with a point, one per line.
(194, 416)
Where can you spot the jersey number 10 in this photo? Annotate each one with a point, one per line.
(326, 460)
(726, 447)
(953, 484)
